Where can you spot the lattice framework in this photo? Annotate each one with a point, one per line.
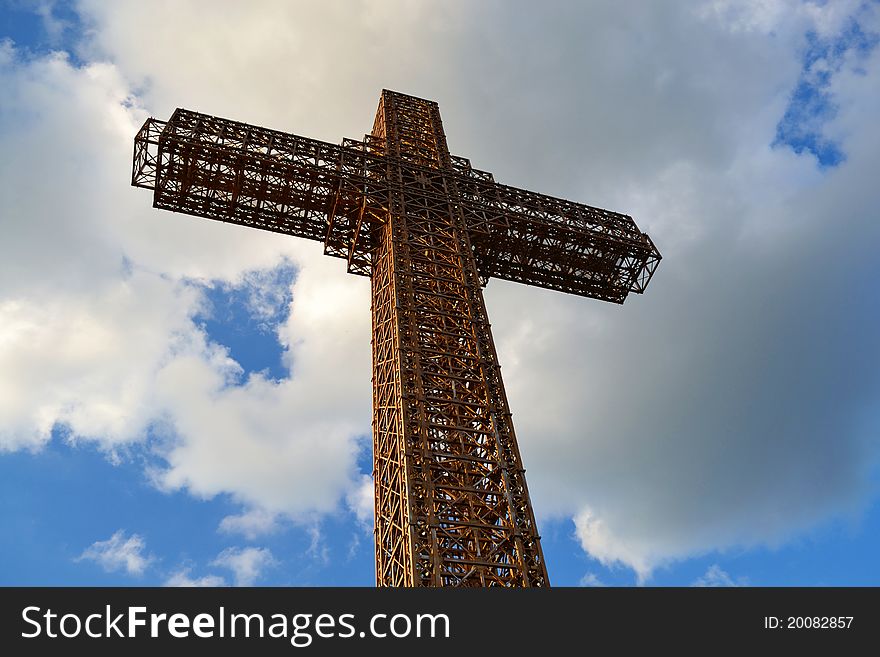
(451, 502)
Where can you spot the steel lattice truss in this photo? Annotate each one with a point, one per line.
(452, 507)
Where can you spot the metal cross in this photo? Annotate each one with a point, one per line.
(451, 503)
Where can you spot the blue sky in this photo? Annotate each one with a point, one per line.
(751, 459)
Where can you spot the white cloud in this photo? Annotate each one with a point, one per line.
(600, 542)
(361, 501)
(119, 553)
(250, 524)
(45, 9)
(770, 16)
(247, 564)
(715, 576)
(266, 296)
(591, 579)
(182, 578)
(318, 548)
(90, 363)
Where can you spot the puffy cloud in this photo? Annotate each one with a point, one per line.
(591, 579)
(89, 363)
(119, 553)
(250, 524)
(247, 564)
(715, 576)
(284, 447)
(598, 540)
(360, 500)
(182, 578)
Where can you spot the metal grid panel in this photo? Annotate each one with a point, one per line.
(243, 174)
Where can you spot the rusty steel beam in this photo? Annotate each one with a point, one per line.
(451, 502)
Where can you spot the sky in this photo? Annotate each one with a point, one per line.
(187, 403)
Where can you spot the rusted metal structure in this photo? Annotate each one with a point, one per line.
(451, 503)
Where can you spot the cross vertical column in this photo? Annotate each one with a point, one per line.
(452, 507)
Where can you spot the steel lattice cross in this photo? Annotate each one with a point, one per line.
(451, 503)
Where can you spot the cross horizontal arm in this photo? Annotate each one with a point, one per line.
(540, 240)
(238, 173)
(244, 174)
